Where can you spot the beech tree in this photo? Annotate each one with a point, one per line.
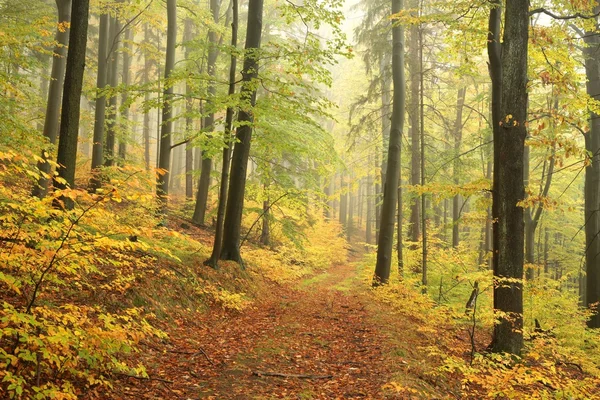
(164, 157)
(69, 121)
(214, 257)
(390, 192)
(100, 110)
(57, 77)
(239, 163)
(508, 70)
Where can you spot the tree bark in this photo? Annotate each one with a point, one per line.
(100, 110)
(124, 96)
(213, 260)
(69, 124)
(189, 122)
(592, 177)
(390, 192)
(57, 78)
(458, 124)
(508, 69)
(241, 151)
(164, 163)
(146, 127)
(209, 120)
(413, 115)
(113, 81)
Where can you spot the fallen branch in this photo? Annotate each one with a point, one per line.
(193, 354)
(144, 378)
(299, 376)
(571, 364)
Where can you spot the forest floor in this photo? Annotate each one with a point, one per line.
(319, 338)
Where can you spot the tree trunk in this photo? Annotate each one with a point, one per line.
(241, 151)
(209, 120)
(343, 202)
(265, 234)
(399, 234)
(592, 177)
(369, 199)
(213, 260)
(113, 81)
(69, 123)
(390, 192)
(350, 222)
(146, 127)
(458, 124)
(124, 96)
(189, 122)
(422, 165)
(100, 110)
(413, 114)
(508, 68)
(164, 163)
(57, 77)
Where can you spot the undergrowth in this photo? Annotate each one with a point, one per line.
(80, 290)
(560, 360)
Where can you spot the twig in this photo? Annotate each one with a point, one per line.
(572, 364)
(194, 354)
(299, 376)
(144, 378)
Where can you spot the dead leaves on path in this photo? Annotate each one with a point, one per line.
(309, 344)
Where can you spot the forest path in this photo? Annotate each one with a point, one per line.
(321, 328)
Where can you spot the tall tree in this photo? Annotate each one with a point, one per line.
(124, 96)
(592, 174)
(508, 70)
(209, 120)
(146, 128)
(100, 110)
(458, 125)
(414, 70)
(57, 77)
(214, 257)
(164, 156)
(241, 151)
(69, 122)
(112, 79)
(388, 209)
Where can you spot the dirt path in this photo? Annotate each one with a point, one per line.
(320, 329)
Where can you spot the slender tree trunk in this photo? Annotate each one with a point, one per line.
(378, 200)
(241, 151)
(343, 202)
(265, 234)
(386, 90)
(399, 234)
(189, 122)
(350, 223)
(209, 120)
(100, 110)
(69, 123)
(422, 165)
(124, 96)
(413, 114)
(146, 127)
(113, 81)
(212, 261)
(458, 124)
(57, 77)
(592, 177)
(390, 192)
(508, 66)
(162, 184)
(369, 199)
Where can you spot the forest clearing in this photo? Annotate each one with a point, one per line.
(311, 199)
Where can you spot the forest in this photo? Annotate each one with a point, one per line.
(299, 199)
